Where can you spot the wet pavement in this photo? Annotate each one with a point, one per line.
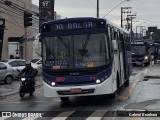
(152, 81)
(149, 76)
(6, 90)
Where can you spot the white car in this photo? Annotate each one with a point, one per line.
(6, 73)
(18, 65)
(37, 63)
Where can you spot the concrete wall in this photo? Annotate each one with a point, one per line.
(14, 27)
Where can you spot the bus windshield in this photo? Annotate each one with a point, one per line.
(138, 49)
(76, 51)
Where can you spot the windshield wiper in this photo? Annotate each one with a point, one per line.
(86, 42)
(63, 42)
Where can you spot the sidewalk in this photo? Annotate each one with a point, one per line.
(154, 71)
(148, 105)
(7, 90)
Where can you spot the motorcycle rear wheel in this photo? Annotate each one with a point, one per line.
(31, 93)
(21, 93)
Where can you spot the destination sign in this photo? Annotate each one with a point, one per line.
(69, 26)
(73, 26)
(137, 42)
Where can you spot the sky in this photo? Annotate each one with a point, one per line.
(147, 11)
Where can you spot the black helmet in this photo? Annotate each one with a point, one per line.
(28, 64)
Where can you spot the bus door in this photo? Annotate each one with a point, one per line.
(122, 57)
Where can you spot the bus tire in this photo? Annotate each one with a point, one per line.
(113, 95)
(64, 99)
(118, 82)
(126, 83)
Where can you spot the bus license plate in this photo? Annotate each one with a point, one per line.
(75, 90)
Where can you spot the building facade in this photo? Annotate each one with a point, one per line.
(14, 45)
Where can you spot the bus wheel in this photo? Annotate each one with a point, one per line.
(114, 95)
(126, 83)
(64, 99)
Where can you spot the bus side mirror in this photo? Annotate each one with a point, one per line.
(114, 45)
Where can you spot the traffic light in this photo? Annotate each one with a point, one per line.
(27, 19)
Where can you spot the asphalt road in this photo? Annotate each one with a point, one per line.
(141, 94)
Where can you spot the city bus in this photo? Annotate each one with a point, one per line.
(84, 57)
(143, 52)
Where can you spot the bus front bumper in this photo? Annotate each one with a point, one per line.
(85, 90)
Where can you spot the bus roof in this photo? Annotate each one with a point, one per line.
(87, 19)
(72, 20)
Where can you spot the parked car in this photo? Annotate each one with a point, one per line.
(37, 63)
(6, 73)
(18, 65)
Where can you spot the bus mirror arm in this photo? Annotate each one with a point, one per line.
(115, 46)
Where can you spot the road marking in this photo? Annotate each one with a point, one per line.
(129, 90)
(64, 114)
(30, 118)
(94, 115)
(133, 118)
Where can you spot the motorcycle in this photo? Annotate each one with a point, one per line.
(27, 85)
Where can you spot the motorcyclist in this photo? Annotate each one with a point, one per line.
(29, 71)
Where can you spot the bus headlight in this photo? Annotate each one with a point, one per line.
(98, 81)
(146, 57)
(53, 84)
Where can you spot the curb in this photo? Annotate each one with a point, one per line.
(155, 77)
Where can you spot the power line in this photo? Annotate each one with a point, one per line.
(11, 17)
(20, 8)
(148, 20)
(20, 15)
(13, 5)
(113, 9)
(13, 12)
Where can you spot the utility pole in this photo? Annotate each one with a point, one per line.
(27, 22)
(141, 31)
(54, 16)
(97, 8)
(131, 17)
(123, 12)
(136, 32)
(25, 34)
